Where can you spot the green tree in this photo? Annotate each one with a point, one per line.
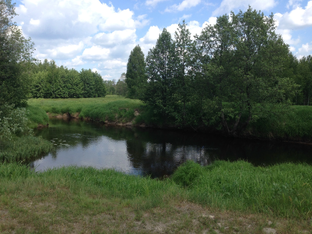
(100, 89)
(161, 67)
(304, 79)
(110, 86)
(15, 58)
(135, 77)
(246, 58)
(87, 79)
(183, 49)
(121, 88)
(74, 84)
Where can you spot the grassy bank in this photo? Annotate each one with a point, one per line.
(23, 148)
(224, 197)
(111, 108)
(295, 124)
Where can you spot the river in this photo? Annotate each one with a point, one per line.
(153, 152)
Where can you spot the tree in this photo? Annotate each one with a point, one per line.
(121, 88)
(161, 67)
(183, 46)
(304, 78)
(100, 90)
(15, 58)
(247, 58)
(135, 77)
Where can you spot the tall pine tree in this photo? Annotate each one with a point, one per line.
(135, 77)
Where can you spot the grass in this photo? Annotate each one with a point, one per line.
(111, 108)
(36, 116)
(224, 197)
(296, 124)
(23, 148)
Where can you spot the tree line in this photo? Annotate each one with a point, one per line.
(51, 81)
(232, 74)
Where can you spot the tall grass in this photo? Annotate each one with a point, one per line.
(23, 148)
(111, 108)
(282, 191)
(36, 116)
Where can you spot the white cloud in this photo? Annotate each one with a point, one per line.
(153, 3)
(65, 51)
(76, 62)
(184, 17)
(295, 19)
(95, 70)
(151, 36)
(293, 3)
(287, 37)
(34, 22)
(116, 37)
(95, 53)
(230, 5)
(113, 64)
(305, 50)
(183, 5)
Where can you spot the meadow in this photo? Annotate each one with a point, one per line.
(110, 108)
(223, 197)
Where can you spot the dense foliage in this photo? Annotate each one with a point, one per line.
(50, 81)
(15, 57)
(231, 75)
(135, 76)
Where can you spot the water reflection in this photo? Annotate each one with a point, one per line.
(152, 152)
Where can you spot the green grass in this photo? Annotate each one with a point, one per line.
(36, 116)
(293, 124)
(283, 190)
(296, 124)
(228, 197)
(111, 108)
(23, 148)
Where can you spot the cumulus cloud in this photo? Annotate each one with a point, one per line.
(114, 38)
(305, 50)
(95, 53)
(230, 5)
(65, 51)
(183, 5)
(296, 19)
(81, 34)
(151, 36)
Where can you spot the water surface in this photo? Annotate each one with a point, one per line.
(153, 152)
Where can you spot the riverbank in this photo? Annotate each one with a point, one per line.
(20, 147)
(221, 198)
(295, 125)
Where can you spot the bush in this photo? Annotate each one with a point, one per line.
(187, 173)
(13, 122)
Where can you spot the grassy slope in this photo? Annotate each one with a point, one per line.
(110, 108)
(232, 196)
(25, 148)
(296, 124)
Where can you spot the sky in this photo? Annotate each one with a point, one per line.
(99, 34)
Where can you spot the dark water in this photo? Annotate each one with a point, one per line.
(153, 152)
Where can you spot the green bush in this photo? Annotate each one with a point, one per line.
(187, 173)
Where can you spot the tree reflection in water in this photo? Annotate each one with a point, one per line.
(155, 152)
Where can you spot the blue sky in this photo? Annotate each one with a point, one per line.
(100, 35)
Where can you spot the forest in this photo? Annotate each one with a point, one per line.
(236, 72)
